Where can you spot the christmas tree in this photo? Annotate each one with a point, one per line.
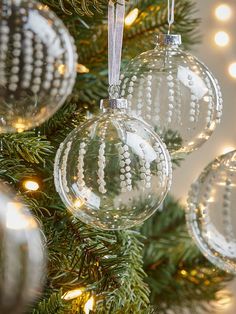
(151, 269)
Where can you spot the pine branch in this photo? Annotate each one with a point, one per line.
(170, 257)
(27, 146)
(81, 7)
(13, 169)
(109, 264)
(53, 305)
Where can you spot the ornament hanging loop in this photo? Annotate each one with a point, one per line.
(116, 15)
(171, 14)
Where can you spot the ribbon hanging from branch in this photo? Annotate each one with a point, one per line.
(116, 15)
(171, 13)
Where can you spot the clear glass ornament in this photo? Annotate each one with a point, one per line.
(211, 215)
(113, 172)
(174, 92)
(37, 64)
(22, 261)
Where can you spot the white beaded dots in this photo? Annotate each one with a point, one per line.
(80, 166)
(64, 165)
(161, 165)
(101, 167)
(145, 171)
(34, 43)
(125, 168)
(171, 99)
(227, 219)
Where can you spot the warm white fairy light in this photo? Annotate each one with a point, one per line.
(222, 39)
(72, 294)
(31, 185)
(223, 12)
(131, 17)
(232, 70)
(82, 68)
(89, 305)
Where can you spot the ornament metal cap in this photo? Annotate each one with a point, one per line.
(119, 103)
(169, 39)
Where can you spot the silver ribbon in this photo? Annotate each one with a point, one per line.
(116, 14)
(171, 13)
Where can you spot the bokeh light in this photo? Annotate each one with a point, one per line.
(222, 39)
(232, 70)
(223, 12)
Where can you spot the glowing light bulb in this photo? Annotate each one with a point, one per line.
(89, 305)
(223, 12)
(232, 70)
(31, 185)
(70, 295)
(221, 39)
(131, 17)
(82, 68)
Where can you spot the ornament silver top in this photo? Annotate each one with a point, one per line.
(168, 39)
(119, 103)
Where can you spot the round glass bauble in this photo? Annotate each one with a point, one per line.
(22, 260)
(37, 64)
(211, 215)
(113, 172)
(175, 93)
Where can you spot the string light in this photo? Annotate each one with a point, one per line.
(89, 305)
(221, 39)
(31, 185)
(131, 17)
(223, 12)
(72, 294)
(232, 70)
(82, 68)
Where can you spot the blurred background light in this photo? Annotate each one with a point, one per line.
(222, 39)
(223, 12)
(232, 70)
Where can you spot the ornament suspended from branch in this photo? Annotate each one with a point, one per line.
(113, 172)
(173, 91)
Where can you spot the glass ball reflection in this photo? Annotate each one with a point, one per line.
(22, 255)
(211, 215)
(37, 64)
(174, 92)
(113, 172)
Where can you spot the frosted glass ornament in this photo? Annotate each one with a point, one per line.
(174, 92)
(211, 215)
(23, 255)
(37, 64)
(113, 172)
